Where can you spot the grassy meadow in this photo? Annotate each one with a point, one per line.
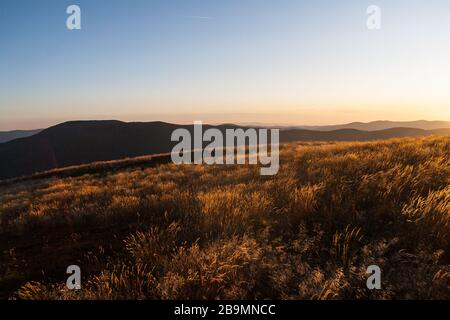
(142, 230)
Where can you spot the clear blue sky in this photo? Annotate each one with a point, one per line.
(274, 61)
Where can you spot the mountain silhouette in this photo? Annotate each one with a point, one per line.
(81, 142)
(382, 125)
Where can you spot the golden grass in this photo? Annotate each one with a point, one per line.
(225, 232)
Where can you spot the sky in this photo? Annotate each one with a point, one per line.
(242, 61)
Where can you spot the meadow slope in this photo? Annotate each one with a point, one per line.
(163, 231)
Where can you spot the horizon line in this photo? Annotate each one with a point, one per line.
(245, 123)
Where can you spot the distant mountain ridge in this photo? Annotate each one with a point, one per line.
(382, 125)
(81, 142)
(6, 136)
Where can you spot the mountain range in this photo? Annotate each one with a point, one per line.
(383, 125)
(82, 142)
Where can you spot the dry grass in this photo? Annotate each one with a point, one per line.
(225, 232)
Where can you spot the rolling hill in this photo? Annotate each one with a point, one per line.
(82, 142)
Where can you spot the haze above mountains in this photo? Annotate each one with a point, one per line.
(81, 142)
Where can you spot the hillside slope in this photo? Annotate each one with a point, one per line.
(82, 142)
(226, 232)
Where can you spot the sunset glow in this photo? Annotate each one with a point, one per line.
(285, 62)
